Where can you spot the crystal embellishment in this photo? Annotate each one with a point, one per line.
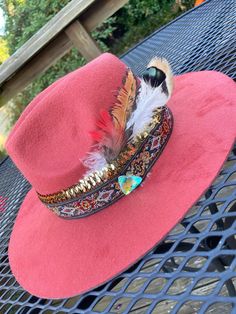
(129, 183)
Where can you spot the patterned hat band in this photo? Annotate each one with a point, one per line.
(129, 138)
(102, 188)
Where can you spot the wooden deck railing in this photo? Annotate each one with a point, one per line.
(71, 27)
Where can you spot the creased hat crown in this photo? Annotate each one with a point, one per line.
(52, 137)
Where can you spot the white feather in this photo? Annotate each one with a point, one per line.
(149, 99)
(95, 161)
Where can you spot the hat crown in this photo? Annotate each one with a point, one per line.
(51, 138)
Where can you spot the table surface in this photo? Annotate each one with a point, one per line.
(193, 269)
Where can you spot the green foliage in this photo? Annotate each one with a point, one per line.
(2, 154)
(4, 53)
(25, 17)
(138, 19)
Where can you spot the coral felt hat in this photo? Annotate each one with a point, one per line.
(52, 257)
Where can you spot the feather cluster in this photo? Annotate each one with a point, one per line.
(131, 114)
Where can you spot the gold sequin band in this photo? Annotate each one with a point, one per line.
(102, 188)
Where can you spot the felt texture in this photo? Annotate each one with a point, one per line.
(55, 258)
(63, 115)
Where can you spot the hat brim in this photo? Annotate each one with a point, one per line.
(56, 258)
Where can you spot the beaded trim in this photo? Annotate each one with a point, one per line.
(101, 189)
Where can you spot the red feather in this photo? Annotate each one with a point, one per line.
(105, 126)
(111, 135)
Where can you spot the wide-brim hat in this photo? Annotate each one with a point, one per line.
(80, 226)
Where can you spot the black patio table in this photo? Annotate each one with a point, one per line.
(193, 269)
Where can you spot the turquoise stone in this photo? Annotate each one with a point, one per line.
(129, 183)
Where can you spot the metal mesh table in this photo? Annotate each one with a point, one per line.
(193, 269)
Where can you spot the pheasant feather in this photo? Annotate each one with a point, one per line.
(111, 135)
(132, 113)
(155, 90)
(123, 108)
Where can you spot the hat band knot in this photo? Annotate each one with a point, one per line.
(100, 190)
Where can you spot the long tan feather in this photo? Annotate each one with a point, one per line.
(121, 111)
(112, 134)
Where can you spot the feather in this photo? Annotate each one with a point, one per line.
(105, 127)
(111, 135)
(163, 64)
(95, 161)
(122, 110)
(130, 116)
(150, 98)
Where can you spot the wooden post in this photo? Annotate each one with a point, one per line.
(53, 41)
(83, 41)
(40, 63)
